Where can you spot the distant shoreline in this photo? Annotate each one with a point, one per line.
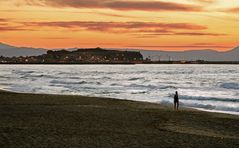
(146, 63)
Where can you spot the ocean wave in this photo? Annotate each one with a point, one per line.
(23, 71)
(152, 87)
(168, 87)
(74, 78)
(174, 73)
(143, 86)
(67, 82)
(108, 92)
(134, 92)
(211, 107)
(200, 98)
(106, 78)
(229, 85)
(33, 75)
(114, 84)
(143, 71)
(134, 79)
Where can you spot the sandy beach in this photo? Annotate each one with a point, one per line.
(30, 120)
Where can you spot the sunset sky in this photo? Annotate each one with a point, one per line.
(144, 24)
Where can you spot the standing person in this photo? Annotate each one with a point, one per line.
(176, 101)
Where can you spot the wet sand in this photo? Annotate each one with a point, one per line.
(30, 120)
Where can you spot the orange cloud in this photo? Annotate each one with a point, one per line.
(175, 33)
(6, 28)
(207, 1)
(110, 26)
(199, 34)
(233, 10)
(5, 25)
(3, 20)
(118, 5)
(140, 29)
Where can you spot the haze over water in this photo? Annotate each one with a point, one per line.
(207, 87)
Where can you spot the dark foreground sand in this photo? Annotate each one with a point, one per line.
(28, 120)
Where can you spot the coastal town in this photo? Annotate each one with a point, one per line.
(80, 56)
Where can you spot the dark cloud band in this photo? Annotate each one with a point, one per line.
(118, 5)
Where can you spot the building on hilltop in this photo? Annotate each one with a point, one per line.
(94, 55)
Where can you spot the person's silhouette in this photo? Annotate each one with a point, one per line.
(176, 101)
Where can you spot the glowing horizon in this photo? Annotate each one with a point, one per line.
(152, 24)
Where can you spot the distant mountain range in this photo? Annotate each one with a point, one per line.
(11, 51)
(192, 55)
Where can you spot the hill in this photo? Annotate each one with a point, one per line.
(11, 51)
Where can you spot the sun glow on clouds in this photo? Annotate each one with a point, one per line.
(150, 24)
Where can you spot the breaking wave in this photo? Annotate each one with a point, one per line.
(199, 98)
(230, 85)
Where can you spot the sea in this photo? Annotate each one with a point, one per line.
(213, 88)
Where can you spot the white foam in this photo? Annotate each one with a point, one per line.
(210, 87)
